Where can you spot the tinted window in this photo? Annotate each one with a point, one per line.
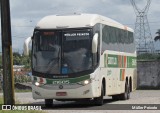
(117, 39)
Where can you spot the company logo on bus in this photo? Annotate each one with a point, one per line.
(112, 60)
(134, 62)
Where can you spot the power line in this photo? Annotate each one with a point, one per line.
(144, 42)
(157, 22)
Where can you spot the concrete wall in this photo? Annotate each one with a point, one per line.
(148, 73)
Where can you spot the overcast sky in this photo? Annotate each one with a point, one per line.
(26, 13)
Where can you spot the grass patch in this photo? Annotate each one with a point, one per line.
(22, 90)
(1, 100)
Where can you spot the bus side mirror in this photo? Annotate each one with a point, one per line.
(26, 46)
(95, 43)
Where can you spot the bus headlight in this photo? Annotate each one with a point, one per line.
(85, 82)
(37, 84)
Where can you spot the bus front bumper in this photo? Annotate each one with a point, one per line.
(87, 91)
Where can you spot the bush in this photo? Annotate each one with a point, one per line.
(22, 78)
(148, 56)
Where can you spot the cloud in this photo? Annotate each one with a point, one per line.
(26, 13)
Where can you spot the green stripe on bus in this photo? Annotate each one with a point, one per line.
(118, 61)
(120, 74)
(66, 81)
(105, 60)
(131, 62)
(122, 61)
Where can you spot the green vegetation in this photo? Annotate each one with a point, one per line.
(148, 56)
(19, 59)
(21, 78)
(18, 90)
(22, 90)
(0, 62)
(157, 37)
(1, 100)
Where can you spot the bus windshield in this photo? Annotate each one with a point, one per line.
(62, 52)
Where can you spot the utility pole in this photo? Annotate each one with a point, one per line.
(8, 82)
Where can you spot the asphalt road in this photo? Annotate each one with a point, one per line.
(137, 97)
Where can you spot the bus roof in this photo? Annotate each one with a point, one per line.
(77, 21)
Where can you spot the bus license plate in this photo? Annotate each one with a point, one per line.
(61, 94)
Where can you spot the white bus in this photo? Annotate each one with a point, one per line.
(82, 56)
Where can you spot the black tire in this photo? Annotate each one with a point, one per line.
(129, 91)
(99, 100)
(48, 102)
(126, 94)
(115, 97)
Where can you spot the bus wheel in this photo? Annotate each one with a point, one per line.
(129, 92)
(115, 97)
(126, 94)
(99, 100)
(48, 102)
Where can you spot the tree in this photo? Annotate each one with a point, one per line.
(157, 37)
(0, 61)
(17, 59)
(26, 61)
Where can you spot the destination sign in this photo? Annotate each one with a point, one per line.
(48, 33)
(77, 35)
